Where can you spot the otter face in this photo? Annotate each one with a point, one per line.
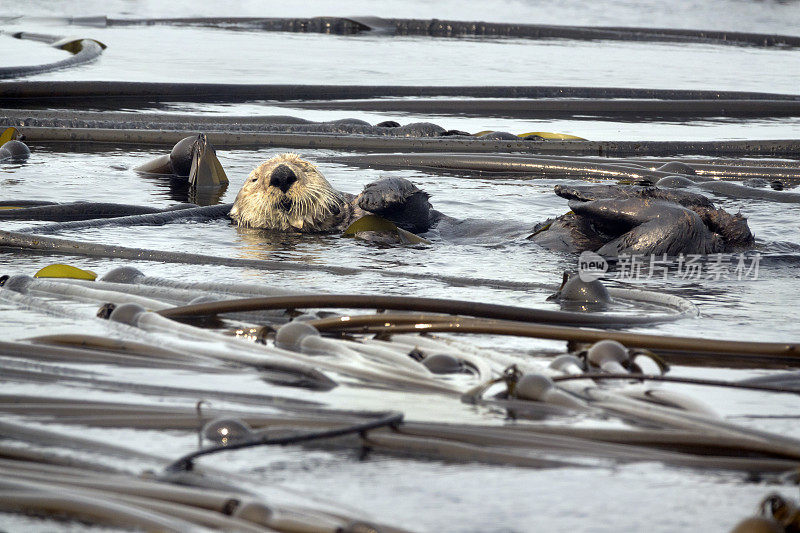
(287, 193)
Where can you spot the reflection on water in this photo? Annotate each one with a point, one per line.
(178, 190)
(264, 244)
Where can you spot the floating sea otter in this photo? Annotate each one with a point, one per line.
(287, 193)
(613, 220)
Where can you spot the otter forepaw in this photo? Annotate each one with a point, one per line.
(400, 201)
(386, 194)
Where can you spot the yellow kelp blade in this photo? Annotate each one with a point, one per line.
(65, 271)
(10, 134)
(380, 224)
(552, 136)
(411, 238)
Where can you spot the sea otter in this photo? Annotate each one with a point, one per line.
(287, 193)
(613, 220)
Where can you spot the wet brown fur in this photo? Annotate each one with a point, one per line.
(310, 205)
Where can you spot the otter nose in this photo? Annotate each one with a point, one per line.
(282, 177)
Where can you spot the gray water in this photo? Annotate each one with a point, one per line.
(420, 495)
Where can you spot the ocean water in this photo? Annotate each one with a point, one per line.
(426, 495)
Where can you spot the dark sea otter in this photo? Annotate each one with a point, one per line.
(613, 220)
(288, 193)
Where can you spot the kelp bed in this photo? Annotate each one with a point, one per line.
(268, 358)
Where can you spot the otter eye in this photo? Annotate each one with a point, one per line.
(254, 179)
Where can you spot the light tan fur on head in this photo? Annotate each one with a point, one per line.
(311, 204)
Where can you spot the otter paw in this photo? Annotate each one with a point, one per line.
(386, 194)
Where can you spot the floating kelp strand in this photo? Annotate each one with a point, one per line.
(19, 497)
(581, 439)
(546, 166)
(132, 276)
(157, 390)
(83, 50)
(124, 93)
(143, 119)
(180, 296)
(667, 417)
(441, 449)
(582, 109)
(47, 437)
(69, 412)
(503, 164)
(433, 305)
(173, 123)
(75, 211)
(454, 28)
(23, 456)
(577, 446)
(173, 295)
(170, 417)
(734, 169)
(681, 379)
(705, 168)
(76, 355)
(48, 371)
(42, 306)
(668, 344)
(106, 503)
(42, 287)
(762, 148)
(161, 217)
(684, 307)
(123, 346)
